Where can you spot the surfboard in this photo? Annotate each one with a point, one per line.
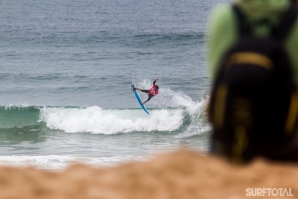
(139, 99)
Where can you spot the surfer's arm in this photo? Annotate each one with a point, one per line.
(155, 81)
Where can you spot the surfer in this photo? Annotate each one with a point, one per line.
(151, 92)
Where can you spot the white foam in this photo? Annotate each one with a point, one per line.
(58, 162)
(173, 108)
(99, 121)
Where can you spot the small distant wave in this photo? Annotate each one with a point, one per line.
(59, 162)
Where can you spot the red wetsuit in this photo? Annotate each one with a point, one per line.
(152, 91)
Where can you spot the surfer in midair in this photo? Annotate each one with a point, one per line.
(151, 92)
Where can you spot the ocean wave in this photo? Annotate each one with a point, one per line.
(175, 113)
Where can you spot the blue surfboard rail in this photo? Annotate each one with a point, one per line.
(139, 99)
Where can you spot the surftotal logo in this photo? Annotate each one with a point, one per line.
(269, 192)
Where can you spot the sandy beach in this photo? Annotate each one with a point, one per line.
(175, 175)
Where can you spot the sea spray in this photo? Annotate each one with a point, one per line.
(195, 111)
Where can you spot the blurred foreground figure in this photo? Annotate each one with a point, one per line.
(253, 60)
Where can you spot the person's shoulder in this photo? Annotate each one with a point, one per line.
(221, 10)
(221, 17)
(221, 13)
(222, 21)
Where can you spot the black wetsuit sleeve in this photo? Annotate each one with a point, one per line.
(154, 82)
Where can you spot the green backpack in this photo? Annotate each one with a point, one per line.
(253, 105)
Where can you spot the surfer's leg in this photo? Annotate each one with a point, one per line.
(137, 89)
(149, 97)
(145, 91)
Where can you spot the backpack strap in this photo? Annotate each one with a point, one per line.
(281, 31)
(243, 28)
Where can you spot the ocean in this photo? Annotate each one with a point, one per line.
(65, 94)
